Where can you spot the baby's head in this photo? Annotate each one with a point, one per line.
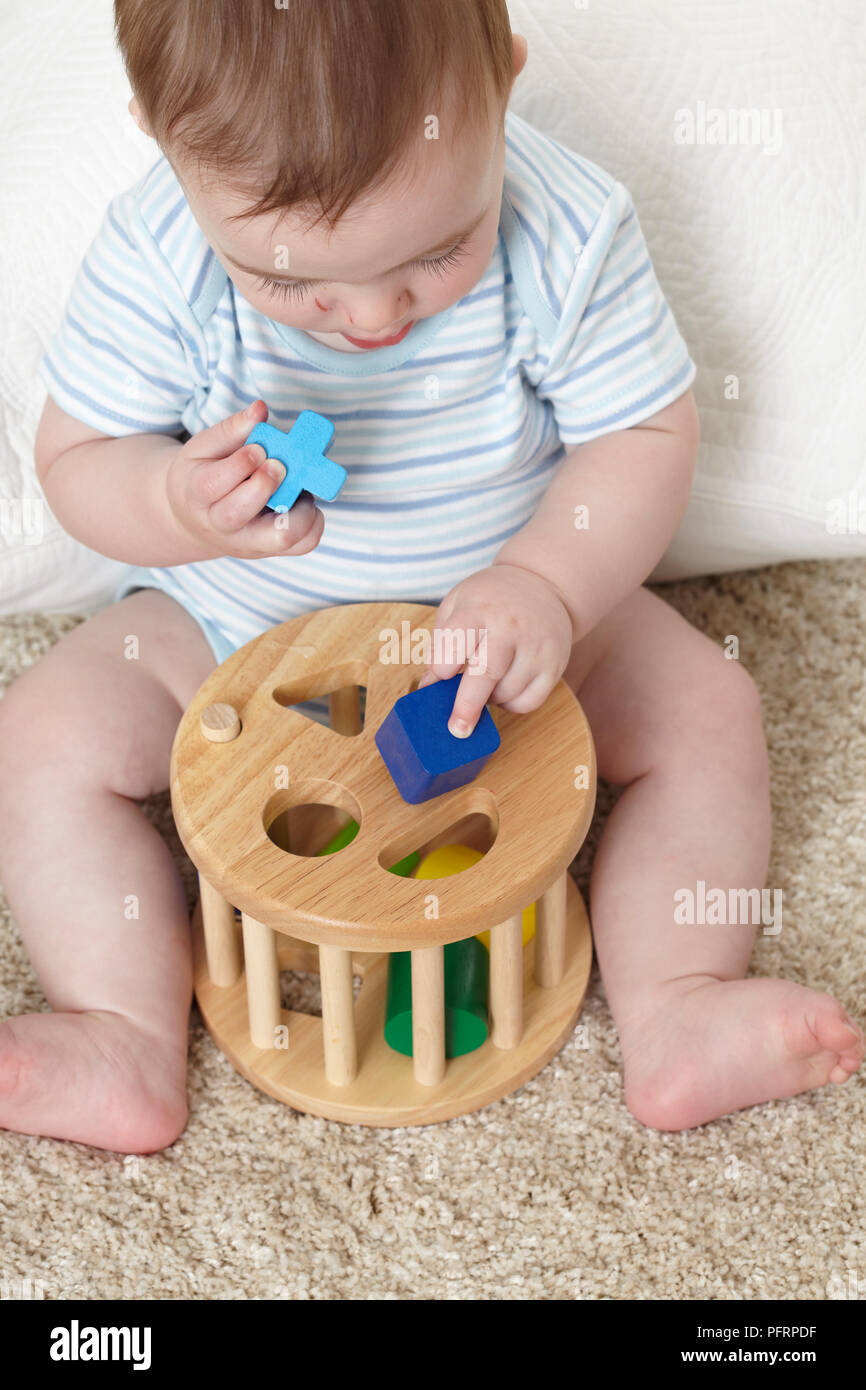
(344, 158)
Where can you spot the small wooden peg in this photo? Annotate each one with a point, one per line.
(220, 723)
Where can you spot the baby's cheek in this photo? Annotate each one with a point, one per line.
(304, 315)
(456, 287)
(292, 315)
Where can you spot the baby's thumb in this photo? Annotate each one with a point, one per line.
(221, 440)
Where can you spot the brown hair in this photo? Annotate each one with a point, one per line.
(313, 101)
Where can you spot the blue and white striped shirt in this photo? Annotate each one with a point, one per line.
(450, 437)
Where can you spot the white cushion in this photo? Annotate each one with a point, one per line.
(70, 146)
(758, 246)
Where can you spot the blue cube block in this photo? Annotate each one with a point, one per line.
(421, 755)
(302, 452)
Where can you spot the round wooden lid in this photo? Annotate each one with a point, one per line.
(535, 796)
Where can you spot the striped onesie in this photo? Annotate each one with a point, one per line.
(450, 437)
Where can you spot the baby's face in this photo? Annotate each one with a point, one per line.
(407, 252)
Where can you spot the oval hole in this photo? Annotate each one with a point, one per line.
(476, 830)
(304, 818)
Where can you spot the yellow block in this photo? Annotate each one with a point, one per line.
(453, 859)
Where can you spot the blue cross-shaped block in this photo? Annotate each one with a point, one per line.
(302, 452)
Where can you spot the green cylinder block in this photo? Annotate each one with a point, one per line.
(467, 972)
(341, 839)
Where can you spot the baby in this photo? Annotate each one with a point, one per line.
(346, 217)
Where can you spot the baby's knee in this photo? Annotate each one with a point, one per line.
(737, 697)
(721, 719)
(714, 686)
(41, 740)
(19, 735)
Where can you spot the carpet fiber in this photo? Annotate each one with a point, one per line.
(555, 1192)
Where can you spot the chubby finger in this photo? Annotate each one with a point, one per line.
(214, 479)
(473, 692)
(223, 438)
(485, 663)
(459, 640)
(295, 532)
(232, 511)
(531, 678)
(528, 663)
(441, 670)
(530, 696)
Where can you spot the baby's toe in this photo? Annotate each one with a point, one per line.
(822, 1026)
(837, 1033)
(852, 1055)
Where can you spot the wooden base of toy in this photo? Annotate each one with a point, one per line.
(384, 1091)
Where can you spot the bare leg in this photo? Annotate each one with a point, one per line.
(84, 734)
(679, 727)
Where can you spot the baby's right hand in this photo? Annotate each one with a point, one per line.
(217, 487)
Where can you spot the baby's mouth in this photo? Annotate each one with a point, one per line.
(381, 342)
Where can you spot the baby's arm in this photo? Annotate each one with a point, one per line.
(553, 580)
(147, 499)
(634, 485)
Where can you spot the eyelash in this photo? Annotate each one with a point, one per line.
(295, 290)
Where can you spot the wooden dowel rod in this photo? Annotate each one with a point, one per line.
(263, 981)
(506, 982)
(338, 1015)
(220, 935)
(345, 710)
(550, 934)
(428, 1015)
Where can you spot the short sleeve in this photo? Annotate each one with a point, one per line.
(120, 359)
(617, 356)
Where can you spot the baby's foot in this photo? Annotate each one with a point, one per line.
(93, 1077)
(713, 1046)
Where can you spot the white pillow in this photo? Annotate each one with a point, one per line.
(70, 145)
(760, 253)
(759, 247)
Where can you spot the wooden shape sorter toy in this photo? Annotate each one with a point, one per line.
(259, 790)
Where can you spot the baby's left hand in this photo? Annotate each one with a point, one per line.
(517, 643)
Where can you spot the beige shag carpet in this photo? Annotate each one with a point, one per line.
(555, 1192)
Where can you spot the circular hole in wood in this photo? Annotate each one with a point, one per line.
(312, 817)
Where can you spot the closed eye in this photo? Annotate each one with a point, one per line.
(296, 290)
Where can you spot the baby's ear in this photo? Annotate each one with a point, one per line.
(521, 50)
(136, 114)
